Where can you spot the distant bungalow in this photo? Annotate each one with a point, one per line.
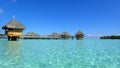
(31, 35)
(55, 35)
(13, 29)
(65, 35)
(79, 35)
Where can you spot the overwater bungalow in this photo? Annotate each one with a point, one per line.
(65, 35)
(79, 35)
(55, 35)
(13, 29)
(32, 35)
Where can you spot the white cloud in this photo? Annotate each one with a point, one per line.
(13, 0)
(1, 11)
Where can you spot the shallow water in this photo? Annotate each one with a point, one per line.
(60, 54)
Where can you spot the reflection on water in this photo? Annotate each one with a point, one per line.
(13, 48)
(12, 54)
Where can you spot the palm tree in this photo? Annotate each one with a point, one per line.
(79, 35)
(65, 35)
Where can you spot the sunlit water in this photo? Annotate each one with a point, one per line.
(60, 54)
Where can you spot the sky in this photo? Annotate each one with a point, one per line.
(92, 17)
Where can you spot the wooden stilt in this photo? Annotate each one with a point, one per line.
(13, 38)
(8, 38)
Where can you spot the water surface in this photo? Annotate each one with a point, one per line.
(60, 54)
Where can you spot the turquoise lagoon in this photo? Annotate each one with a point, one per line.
(60, 54)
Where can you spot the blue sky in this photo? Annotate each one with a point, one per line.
(93, 17)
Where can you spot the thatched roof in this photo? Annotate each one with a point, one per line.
(54, 34)
(14, 24)
(79, 33)
(32, 34)
(65, 33)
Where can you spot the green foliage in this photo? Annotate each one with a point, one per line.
(110, 37)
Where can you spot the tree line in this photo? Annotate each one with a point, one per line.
(110, 37)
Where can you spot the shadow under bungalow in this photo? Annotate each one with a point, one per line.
(14, 31)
